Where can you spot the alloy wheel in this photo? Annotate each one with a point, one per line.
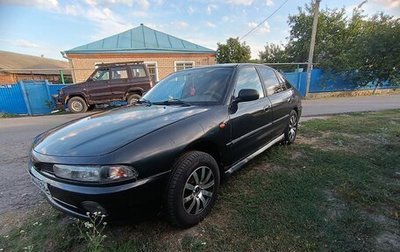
(198, 190)
(292, 127)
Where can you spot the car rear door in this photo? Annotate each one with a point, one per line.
(250, 121)
(98, 88)
(281, 98)
(119, 82)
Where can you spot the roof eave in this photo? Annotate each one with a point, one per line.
(152, 51)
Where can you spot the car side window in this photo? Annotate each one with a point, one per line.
(285, 84)
(271, 82)
(101, 75)
(247, 78)
(138, 71)
(119, 73)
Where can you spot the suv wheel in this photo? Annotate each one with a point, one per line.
(77, 105)
(291, 129)
(133, 98)
(192, 189)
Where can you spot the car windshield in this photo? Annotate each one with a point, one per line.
(195, 86)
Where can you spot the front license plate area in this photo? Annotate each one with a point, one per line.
(42, 186)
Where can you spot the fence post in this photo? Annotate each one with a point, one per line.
(62, 77)
(46, 82)
(25, 95)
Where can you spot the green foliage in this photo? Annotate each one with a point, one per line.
(358, 48)
(274, 54)
(233, 51)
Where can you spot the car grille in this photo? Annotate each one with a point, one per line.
(44, 167)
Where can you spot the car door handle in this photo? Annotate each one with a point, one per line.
(268, 107)
(290, 99)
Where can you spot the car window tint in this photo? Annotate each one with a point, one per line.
(101, 74)
(119, 73)
(271, 83)
(248, 79)
(138, 71)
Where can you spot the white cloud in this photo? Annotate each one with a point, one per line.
(264, 28)
(388, 3)
(71, 10)
(240, 2)
(159, 2)
(26, 43)
(142, 4)
(181, 25)
(190, 10)
(21, 43)
(227, 19)
(269, 2)
(211, 25)
(42, 4)
(210, 8)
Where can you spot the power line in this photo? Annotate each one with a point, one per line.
(262, 22)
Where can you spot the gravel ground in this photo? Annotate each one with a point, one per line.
(18, 195)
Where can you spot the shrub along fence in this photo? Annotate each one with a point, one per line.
(35, 98)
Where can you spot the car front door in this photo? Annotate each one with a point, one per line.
(98, 87)
(280, 95)
(250, 121)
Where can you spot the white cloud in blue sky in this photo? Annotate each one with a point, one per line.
(49, 26)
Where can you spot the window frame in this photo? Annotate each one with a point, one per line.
(156, 64)
(123, 68)
(184, 61)
(97, 69)
(235, 80)
(131, 67)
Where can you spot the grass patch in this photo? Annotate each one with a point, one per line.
(336, 189)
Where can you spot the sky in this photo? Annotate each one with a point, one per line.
(46, 27)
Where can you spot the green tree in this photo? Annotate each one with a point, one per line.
(233, 51)
(359, 48)
(273, 54)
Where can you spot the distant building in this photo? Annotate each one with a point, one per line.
(15, 67)
(162, 53)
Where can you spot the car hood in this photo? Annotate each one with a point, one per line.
(103, 133)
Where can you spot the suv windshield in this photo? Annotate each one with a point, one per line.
(203, 85)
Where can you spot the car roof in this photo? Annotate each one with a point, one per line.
(229, 65)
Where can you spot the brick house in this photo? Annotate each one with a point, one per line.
(162, 53)
(15, 67)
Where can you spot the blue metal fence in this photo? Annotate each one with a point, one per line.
(31, 98)
(35, 98)
(320, 82)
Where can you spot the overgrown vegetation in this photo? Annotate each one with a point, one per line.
(335, 189)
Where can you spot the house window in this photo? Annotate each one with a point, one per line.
(153, 70)
(182, 65)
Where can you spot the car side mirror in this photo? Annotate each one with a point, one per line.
(247, 95)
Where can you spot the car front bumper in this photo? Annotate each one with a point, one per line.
(115, 201)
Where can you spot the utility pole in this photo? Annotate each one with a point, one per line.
(312, 45)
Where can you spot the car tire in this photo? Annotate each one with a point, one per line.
(77, 105)
(192, 189)
(291, 129)
(133, 98)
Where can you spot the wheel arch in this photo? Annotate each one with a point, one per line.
(210, 148)
(76, 95)
(136, 90)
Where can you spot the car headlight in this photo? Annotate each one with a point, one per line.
(94, 173)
